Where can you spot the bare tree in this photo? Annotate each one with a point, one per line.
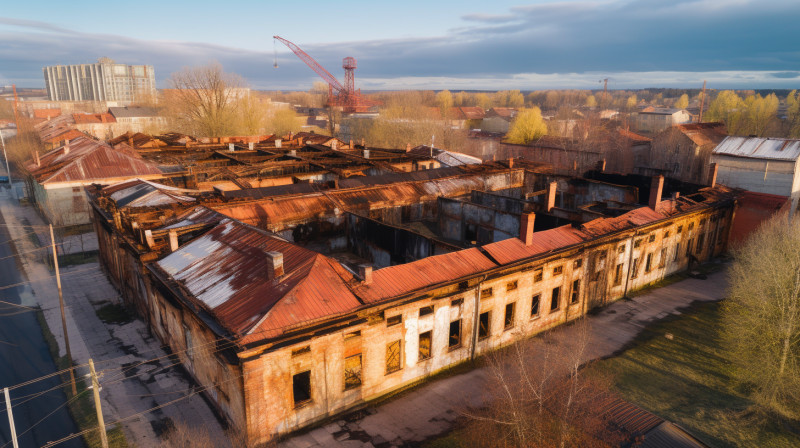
(541, 397)
(762, 315)
(203, 100)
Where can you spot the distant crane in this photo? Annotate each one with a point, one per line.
(345, 96)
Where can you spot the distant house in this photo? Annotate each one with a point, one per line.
(137, 119)
(56, 179)
(763, 165)
(498, 120)
(467, 117)
(684, 151)
(657, 119)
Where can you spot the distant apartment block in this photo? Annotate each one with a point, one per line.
(102, 81)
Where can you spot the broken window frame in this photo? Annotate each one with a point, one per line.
(510, 318)
(575, 295)
(306, 385)
(484, 328)
(352, 371)
(538, 275)
(618, 274)
(577, 264)
(454, 342)
(555, 299)
(394, 357)
(486, 293)
(648, 262)
(635, 268)
(425, 352)
(426, 310)
(536, 305)
(511, 286)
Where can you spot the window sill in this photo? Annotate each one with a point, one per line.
(537, 316)
(393, 371)
(303, 404)
(454, 348)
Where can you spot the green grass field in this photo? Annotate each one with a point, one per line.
(687, 379)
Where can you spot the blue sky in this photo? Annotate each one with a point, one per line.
(463, 44)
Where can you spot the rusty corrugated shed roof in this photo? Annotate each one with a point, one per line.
(226, 272)
(84, 118)
(88, 160)
(143, 193)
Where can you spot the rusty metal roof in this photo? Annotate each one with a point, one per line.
(226, 272)
(143, 193)
(88, 160)
(84, 118)
(397, 280)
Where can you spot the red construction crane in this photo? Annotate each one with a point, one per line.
(345, 96)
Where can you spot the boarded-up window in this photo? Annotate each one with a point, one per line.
(577, 263)
(635, 268)
(537, 275)
(648, 264)
(352, 371)
(618, 275)
(510, 286)
(651, 238)
(425, 345)
(454, 339)
(301, 388)
(393, 357)
(483, 325)
(486, 293)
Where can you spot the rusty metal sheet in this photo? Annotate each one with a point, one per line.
(88, 160)
(226, 271)
(397, 280)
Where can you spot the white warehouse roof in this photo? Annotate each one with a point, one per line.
(759, 148)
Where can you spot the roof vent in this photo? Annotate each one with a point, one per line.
(274, 265)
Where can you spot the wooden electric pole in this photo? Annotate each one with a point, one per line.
(96, 392)
(63, 315)
(11, 420)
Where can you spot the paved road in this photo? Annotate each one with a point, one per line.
(24, 356)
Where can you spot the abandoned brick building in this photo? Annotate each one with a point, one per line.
(290, 304)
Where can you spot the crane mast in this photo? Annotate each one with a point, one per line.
(345, 96)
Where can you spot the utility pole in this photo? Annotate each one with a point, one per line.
(63, 315)
(96, 392)
(11, 420)
(5, 156)
(702, 101)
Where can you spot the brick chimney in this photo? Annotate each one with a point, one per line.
(712, 175)
(656, 188)
(601, 165)
(293, 152)
(230, 147)
(251, 146)
(408, 147)
(365, 272)
(366, 153)
(36, 159)
(299, 141)
(363, 143)
(173, 240)
(510, 163)
(66, 147)
(526, 228)
(148, 238)
(335, 145)
(278, 143)
(274, 265)
(550, 196)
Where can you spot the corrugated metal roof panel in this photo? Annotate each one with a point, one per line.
(226, 270)
(760, 148)
(142, 193)
(397, 280)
